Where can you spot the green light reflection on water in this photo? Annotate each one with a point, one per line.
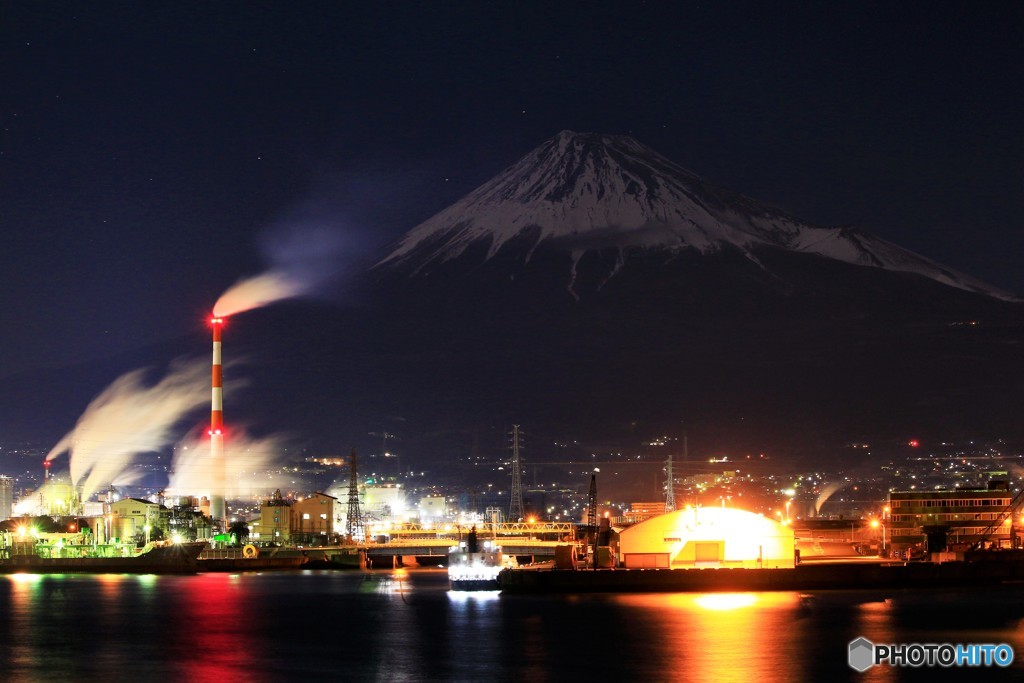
(146, 580)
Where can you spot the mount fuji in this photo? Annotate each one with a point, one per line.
(594, 283)
(596, 292)
(580, 193)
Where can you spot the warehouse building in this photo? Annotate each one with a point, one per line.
(705, 537)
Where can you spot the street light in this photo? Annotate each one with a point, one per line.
(874, 525)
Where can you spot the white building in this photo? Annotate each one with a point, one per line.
(432, 507)
(6, 497)
(382, 502)
(702, 537)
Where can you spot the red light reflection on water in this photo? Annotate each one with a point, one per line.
(211, 636)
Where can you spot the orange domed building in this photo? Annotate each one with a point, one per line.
(706, 537)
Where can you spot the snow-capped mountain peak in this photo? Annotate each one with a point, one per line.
(582, 191)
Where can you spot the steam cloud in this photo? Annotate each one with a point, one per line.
(250, 466)
(258, 291)
(827, 493)
(56, 493)
(303, 260)
(129, 418)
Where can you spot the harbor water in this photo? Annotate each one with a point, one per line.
(396, 625)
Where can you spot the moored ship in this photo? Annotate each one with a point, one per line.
(251, 558)
(473, 566)
(156, 558)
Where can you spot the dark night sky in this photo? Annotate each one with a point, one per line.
(147, 147)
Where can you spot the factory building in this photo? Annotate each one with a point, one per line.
(310, 521)
(6, 497)
(431, 508)
(313, 520)
(275, 521)
(957, 518)
(384, 502)
(133, 519)
(638, 512)
(705, 537)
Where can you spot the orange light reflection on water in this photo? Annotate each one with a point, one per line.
(725, 601)
(725, 637)
(874, 621)
(21, 651)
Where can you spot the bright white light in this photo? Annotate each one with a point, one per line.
(473, 572)
(720, 602)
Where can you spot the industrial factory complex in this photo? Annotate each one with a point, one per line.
(715, 514)
(379, 524)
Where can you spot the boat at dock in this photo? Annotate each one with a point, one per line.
(250, 558)
(155, 558)
(474, 565)
(978, 569)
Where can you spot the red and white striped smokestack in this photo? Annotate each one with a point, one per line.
(218, 510)
(217, 383)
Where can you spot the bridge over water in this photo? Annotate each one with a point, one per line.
(515, 538)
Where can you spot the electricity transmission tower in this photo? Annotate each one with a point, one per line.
(670, 486)
(592, 503)
(593, 526)
(515, 510)
(354, 527)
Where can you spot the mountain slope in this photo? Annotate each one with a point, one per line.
(579, 193)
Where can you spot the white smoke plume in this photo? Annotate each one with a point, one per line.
(29, 504)
(251, 466)
(302, 261)
(53, 497)
(258, 291)
(129, 418)
(827, 492)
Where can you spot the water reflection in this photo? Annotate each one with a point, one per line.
(873, 620)
(18, 643)
(466, 600)
(724, 636)
(408, 626)
(211, 633)
(718, 602)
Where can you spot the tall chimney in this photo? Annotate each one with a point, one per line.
(218, 510)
